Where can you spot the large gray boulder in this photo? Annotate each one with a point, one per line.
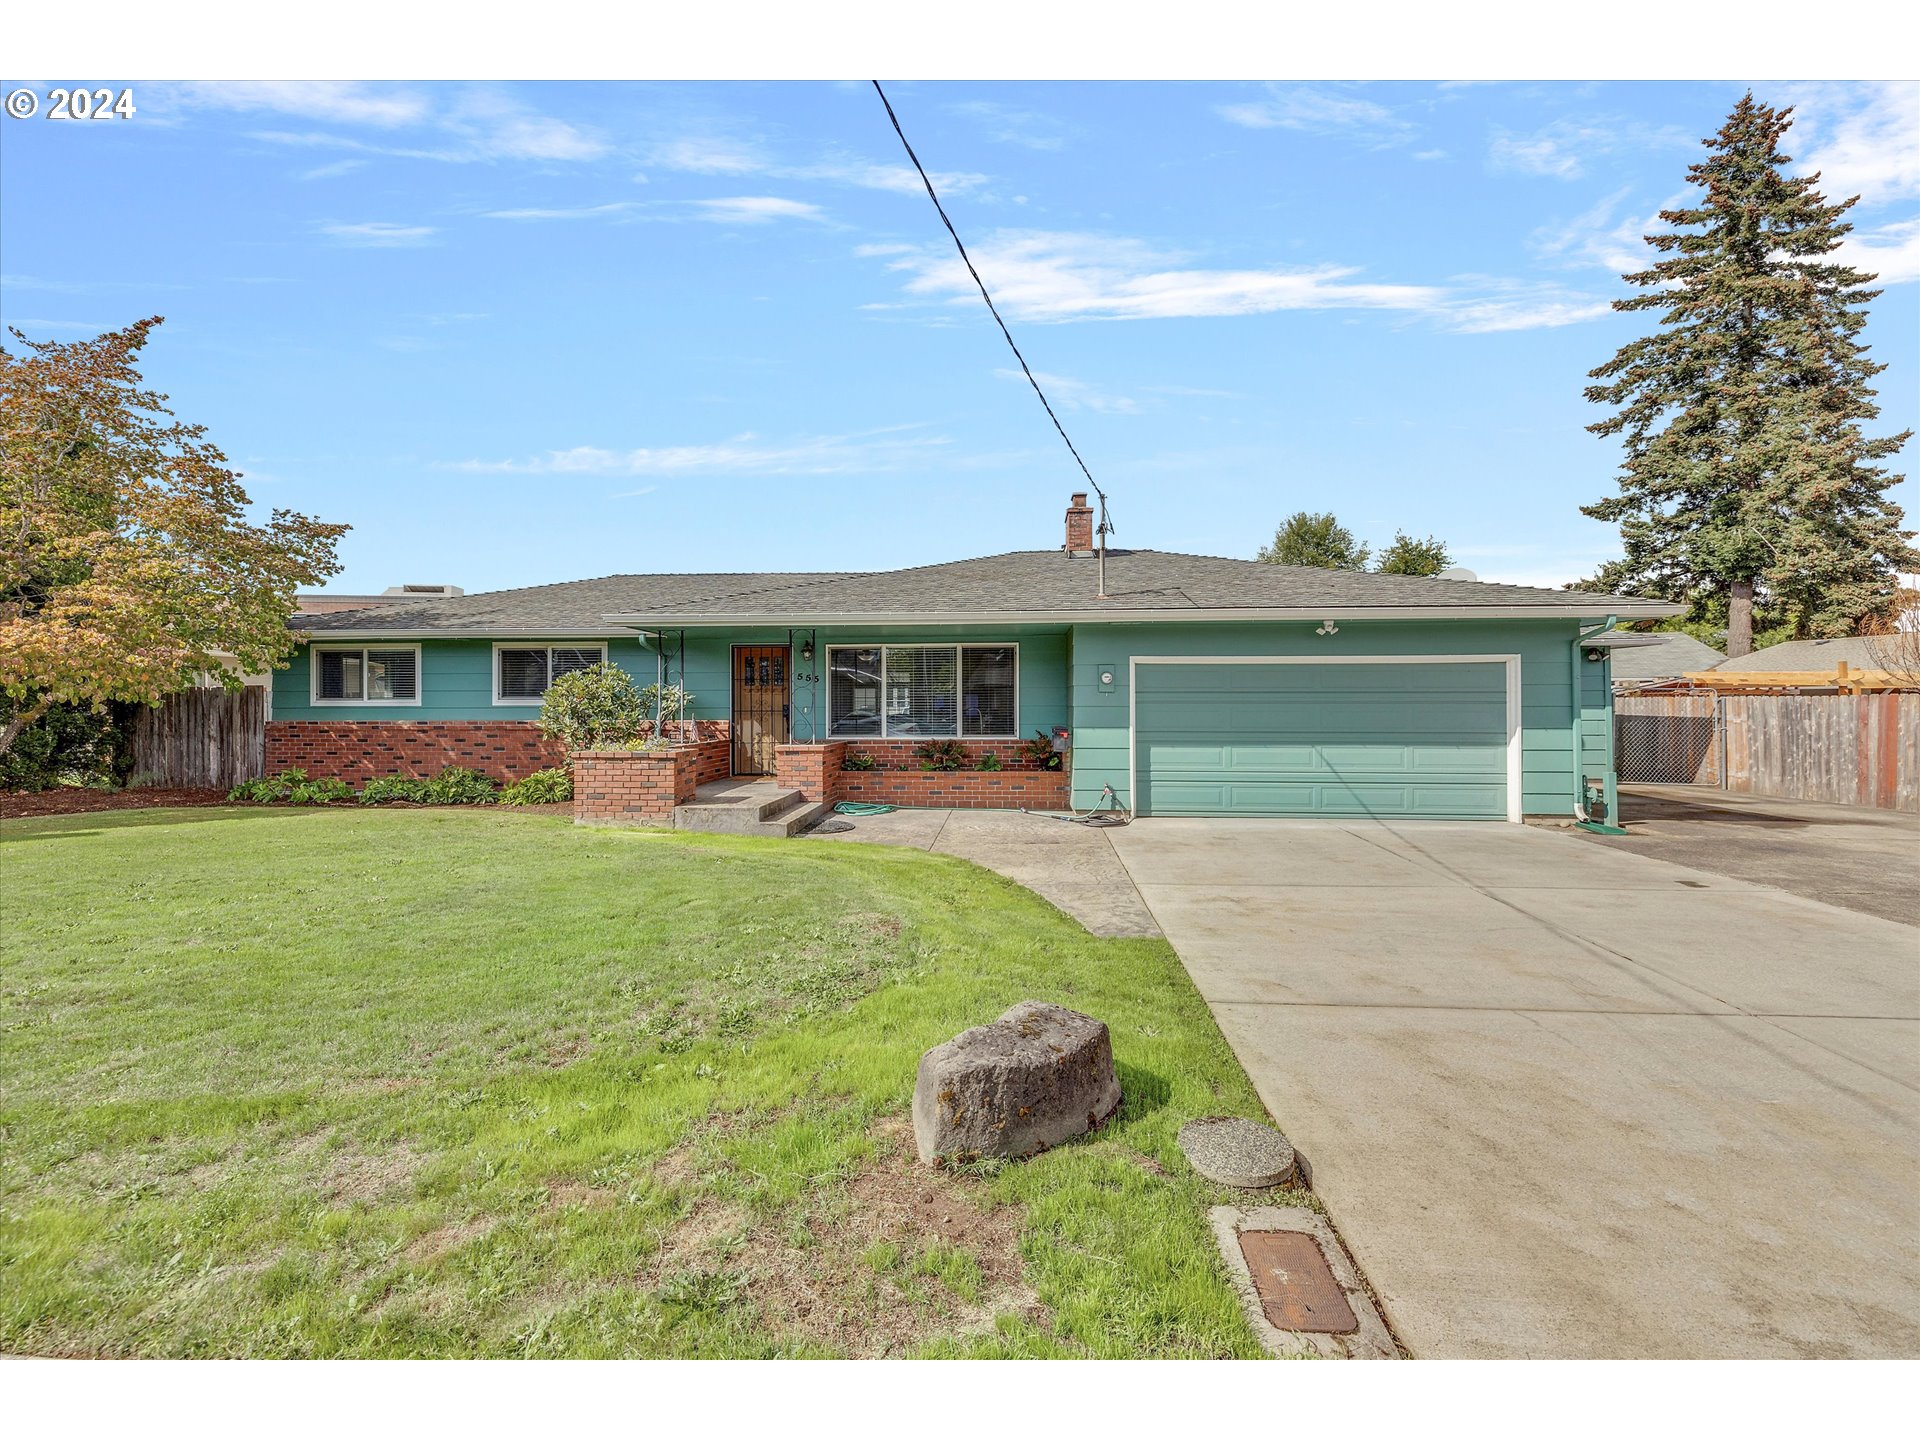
(1038, 1075)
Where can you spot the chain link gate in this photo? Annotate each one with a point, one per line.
(1668, 739)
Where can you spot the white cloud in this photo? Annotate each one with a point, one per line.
(1550, 152)
(1012, 125)
(756, 210)
(1864, 139)
(1605, 235)
(745, 454)
(1318, 109)
(1562, 150)
(1070, 394)
(346, 102)
(1891, 251)
(1484, 306)
(581, 212)
(707, 156)
(1045, 276)
(1052, 276)
(455, 124)
(703, 155)
(332, 171)
(381, 234)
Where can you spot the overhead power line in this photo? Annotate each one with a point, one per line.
(992, 309)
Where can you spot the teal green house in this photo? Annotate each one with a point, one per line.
(1172, 684)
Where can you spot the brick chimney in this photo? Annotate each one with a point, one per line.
(1079, 527)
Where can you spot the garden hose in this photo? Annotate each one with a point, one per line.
(862, 807)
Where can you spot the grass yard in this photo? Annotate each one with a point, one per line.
(434, 1082)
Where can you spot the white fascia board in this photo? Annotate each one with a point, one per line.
(489, 633)
(1635, 610)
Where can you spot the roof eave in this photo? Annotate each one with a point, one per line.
(601, 632)
(1624, 610)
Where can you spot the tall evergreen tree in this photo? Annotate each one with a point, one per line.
(1747, 473)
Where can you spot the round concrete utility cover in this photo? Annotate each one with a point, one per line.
(1232, 1151)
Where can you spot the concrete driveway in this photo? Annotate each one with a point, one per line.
(1563, 1100)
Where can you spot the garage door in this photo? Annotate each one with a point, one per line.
(1387, 739)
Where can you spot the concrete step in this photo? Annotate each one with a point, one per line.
(763, 811)
(723, 807)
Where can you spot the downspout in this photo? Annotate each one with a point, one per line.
(1580, 816)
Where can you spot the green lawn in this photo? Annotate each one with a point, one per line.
(448, 1082)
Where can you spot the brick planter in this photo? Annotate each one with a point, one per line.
(816, 772)
(642, 787)
(361, 750)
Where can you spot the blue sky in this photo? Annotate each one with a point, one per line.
(522, 333)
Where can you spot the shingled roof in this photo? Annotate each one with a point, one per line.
(1022, 585)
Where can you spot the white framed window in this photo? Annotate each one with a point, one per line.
(522, 673)
(365, 674)
(900, 692)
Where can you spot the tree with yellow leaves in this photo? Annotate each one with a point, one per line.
(128, 563)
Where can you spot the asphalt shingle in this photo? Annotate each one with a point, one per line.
(1034, 582)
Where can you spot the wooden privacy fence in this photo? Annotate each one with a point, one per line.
(210, 739)
(1847, 749)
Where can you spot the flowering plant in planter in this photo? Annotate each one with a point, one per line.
(859, 760)
(941, 754)
(1040, 751)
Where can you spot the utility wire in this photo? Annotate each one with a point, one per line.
(991, 307)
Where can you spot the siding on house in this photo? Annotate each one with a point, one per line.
(1100, 715)
(456, 676)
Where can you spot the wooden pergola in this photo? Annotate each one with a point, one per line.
(1842, 680)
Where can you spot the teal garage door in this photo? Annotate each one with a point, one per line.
(1386, 740)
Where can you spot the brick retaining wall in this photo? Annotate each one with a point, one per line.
(360, 750)
(641, 787)
(817, 772)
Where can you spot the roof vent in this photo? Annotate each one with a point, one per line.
(425, 592)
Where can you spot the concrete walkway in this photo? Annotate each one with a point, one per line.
(1564, 1100)
(1071, 865)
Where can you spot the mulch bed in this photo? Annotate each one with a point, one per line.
(71, 800)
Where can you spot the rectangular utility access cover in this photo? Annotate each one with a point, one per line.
(1297, 1290)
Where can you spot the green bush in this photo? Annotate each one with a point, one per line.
(858, 760)
(397, 789)
(542, 787)
(593, 709)
(291, 787)
(69, 745)
(989, 761)
(941, 754)
(457, 785)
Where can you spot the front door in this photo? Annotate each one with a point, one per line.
(761, 695)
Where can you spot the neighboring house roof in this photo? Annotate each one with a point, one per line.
(1672, 654)
(1023, 585)
(1808, 657)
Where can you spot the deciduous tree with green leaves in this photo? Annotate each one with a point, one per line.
(1747, 475)
(1408, 556)
(1317, 541)
(128, 563)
